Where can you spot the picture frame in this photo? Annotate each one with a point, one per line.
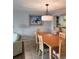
(35, 20)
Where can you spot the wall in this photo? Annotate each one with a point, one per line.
(53, 24)
(21, 24)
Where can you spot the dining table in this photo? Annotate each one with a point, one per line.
(51, 40)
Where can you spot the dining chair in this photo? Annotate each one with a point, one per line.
(37, 42)
(62, 36)
(42, 50)
(59, 52)
(36, 38)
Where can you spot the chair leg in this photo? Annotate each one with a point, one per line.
(50, 53)
(55, 57)
(37, 48)
(60, 50)
(42, 55)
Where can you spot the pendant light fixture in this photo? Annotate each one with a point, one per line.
(47, 17)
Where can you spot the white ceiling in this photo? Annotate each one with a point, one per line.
(32, 6)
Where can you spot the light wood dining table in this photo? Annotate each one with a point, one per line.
(51, 40)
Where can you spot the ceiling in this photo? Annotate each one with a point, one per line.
(38, 6)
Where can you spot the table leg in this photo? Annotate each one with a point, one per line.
(50, 53)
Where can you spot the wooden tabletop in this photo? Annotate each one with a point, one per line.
(42, 33)
(50, 39)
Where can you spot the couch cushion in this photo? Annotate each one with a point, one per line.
(15, 37)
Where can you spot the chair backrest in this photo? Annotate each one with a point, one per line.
(62, 44)
(36, 37)
(40, 42)
(62, 35)
(62, 38)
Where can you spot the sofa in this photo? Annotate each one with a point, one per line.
(17, 44)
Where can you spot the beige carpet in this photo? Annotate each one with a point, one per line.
(30, 51)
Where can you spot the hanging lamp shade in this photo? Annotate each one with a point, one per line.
(47, 17)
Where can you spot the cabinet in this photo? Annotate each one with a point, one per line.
(61, 23)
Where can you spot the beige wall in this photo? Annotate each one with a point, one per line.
(21, 24)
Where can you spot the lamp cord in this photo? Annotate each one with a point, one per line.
(47, 9)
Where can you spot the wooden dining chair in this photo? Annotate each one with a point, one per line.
(36, 42)
(59, 52)
(62, 36)
(42, 50)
